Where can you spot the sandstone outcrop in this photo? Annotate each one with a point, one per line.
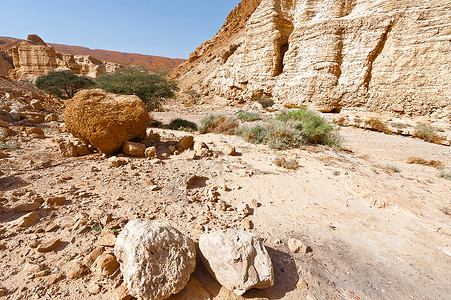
(105, 120)
(156, 260)
(237, 259)
(391, 56)
(33, 57)
(5, 66)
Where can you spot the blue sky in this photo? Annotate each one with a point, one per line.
(172, 28)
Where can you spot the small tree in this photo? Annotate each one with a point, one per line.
(63, 84)
(152, 88)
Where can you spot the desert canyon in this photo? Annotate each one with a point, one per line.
(101, 199)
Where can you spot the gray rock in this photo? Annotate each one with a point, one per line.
(156, 260)
(237, 259)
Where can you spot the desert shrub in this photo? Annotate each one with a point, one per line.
(248, 116)
(391, 168)
(445, 174)
(152, 88)
(193, 96)
(420, 161)
(427, 133)
(377, 125)
(292, 129)
(290, 164)
(265, 101)
(218, 124)
(181, 124)
(314, 128)
(63, 84)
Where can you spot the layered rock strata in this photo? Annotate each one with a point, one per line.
(33, 57)
(380, 55)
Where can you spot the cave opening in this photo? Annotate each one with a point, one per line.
(282, 51)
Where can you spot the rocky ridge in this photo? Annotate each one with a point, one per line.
(33, 57)
(390, 56)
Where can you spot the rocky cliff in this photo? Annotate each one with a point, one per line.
(384, 55)
(5, 66)
(33, 57)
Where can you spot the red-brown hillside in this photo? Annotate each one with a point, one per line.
(153, 63)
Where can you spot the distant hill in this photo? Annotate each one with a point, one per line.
(151, 62)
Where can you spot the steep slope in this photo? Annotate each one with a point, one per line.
(380, 55)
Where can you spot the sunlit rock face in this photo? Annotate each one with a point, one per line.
(383, 55)
(33, 57)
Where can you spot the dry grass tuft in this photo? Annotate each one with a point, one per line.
(420, 161)
(377, 125)
(290, 164)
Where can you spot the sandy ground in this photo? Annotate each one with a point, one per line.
(376, 225)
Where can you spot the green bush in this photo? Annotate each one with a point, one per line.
(180, 124)
(218, 124)
(265, 101)
(248, 116)
(152, 88)
(427, 133)
(445, 174)
(291, 129)
(63, 84)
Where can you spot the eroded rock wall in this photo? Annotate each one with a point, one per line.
(380, 55)
(33, 57)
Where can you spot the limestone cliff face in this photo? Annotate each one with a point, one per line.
(5, 66)
(33, 57)
(383, 55)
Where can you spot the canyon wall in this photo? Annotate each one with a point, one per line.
(33, 57)
(379, 55)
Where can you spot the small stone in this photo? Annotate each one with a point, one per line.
(121, 293)
(106, 264)
(107, 238)
(151, 152)
(82, 149)
(244, 210)
(229, 150)
(4, 133)
(49, 246)
(94, 288)
(185, 143)
(27, 207)
(3, 154)
(53, 278)
(116, 161)
(77, 270)
(192, 291)
(151, 136)
(34, 131)
(302, 284)
(42, 273)
(198, 146)
(154, 188)
(172, 149)
(2, 292)
(134, 149)
(57, 200)
(297, 246)
(67, 149)
(36, 104)
(88, 260)
(255, 203)
(51, 117)
(28, 219)
(221, 206)
(247, 224)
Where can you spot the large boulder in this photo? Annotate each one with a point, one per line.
(237, 259)
(156, 260)
(106, 120)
